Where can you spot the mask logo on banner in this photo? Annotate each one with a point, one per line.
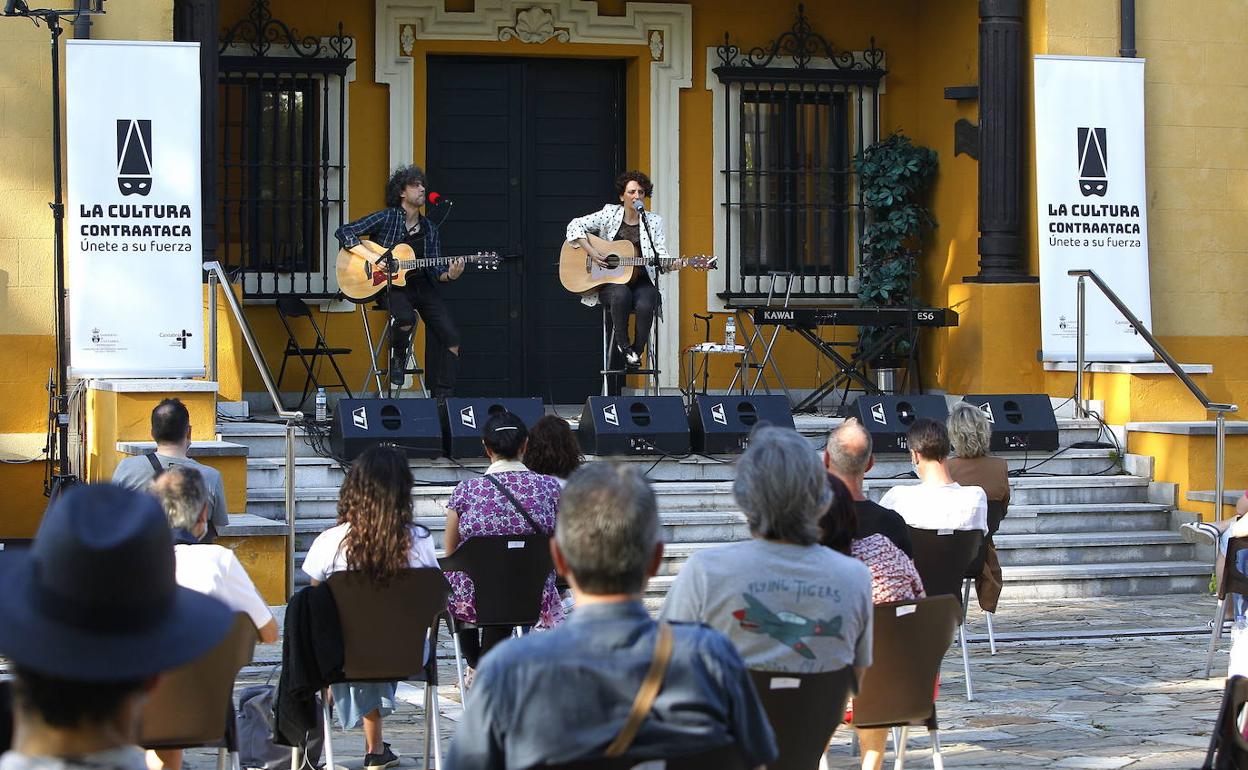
(134, 156)
(1093, 166)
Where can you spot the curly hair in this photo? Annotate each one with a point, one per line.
(399, 181)
(376, 500)
(553, 449)
(634, 175)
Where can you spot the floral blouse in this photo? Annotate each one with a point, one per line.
(484, 510)
(894, 577)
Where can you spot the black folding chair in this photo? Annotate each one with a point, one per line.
(804, 711)
(1231, 581)
(508, 575)
(393, 650)
(943, 559)
(1227, 748)
(723, 758)
(289, 308)
(909, 641)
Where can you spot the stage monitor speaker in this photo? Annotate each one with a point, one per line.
(411, 424)
(463, 419)
(887, 418)
(634, 425)
(722, 424)
(1021, 422)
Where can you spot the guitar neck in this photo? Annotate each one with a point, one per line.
(419, 262)
(667, 262)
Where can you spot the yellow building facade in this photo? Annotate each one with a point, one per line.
(1197, 159)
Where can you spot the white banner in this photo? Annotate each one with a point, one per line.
(1090, 197)
(132, 238)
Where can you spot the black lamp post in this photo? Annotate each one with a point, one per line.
(58, 450)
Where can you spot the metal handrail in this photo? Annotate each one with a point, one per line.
(216, 275)
(1219, 409)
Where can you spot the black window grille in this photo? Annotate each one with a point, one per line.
(281, 141)
(790, 197)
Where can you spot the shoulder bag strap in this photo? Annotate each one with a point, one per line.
(646, 694)
(507, 493)
(156, 466)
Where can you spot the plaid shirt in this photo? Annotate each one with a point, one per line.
(388, 227)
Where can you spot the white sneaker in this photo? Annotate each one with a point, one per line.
(1202, 530)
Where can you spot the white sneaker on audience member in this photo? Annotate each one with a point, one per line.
(1202, 530)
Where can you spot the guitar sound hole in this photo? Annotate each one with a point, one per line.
(613, 261)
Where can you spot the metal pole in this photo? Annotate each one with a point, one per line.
(290, 507)
(1220, 464)
(212, 338)
(58, 246)
(1080, 292)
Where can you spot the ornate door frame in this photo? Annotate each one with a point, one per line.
(666, 29)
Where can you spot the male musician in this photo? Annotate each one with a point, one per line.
(402, 222)
(628, 221)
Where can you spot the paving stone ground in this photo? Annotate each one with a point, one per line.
(1078, 686)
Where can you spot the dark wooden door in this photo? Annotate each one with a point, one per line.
(521, 146)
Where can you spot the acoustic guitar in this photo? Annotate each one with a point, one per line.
(360, 279)
(578, 273)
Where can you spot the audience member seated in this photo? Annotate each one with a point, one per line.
(171, 430)
(89, 618)
(564, 695)
(509, 499)
(787, 603)
(937, 502)
(848, 457)
(375, 536)
(553, 449)
(971, 435)
(1220, 533)
(209, 569)
(894, 578)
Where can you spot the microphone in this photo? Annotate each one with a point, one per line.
(436, 199)
(637, 204)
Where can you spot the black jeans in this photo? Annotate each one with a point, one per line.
(642, 298)
(421, 295)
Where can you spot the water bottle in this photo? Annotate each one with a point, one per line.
(730, 332)
(322, 405)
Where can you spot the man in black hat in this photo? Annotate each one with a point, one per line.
(89, 617)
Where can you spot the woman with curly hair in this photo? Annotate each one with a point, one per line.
(553, 449)
(376, 536)
(480, 508)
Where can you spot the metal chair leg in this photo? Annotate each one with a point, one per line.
(437, 736)
(899, 747)
(424, 754)
(296, 758)
(223, 758)
(992, 637)
(329, 731)
(459, 661)
(966, 667)
(1216, 635)
(938, 762)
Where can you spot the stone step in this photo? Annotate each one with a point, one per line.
(323, 472)
(1092, 548)
(1051, 490)
(1083, 517)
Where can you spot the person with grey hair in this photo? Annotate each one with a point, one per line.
(848, 457)
(971, 436)
(563, 695)
(209, 569)
(787, 603)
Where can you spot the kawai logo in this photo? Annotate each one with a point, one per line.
(1093, 162)
(134, 156)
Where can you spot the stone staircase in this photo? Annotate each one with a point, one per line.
(1084, 528)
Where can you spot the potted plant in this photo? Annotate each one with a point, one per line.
(895, 175)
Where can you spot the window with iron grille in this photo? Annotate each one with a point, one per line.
(282, 147)
(789, 128)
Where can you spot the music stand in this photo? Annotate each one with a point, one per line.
(755, 336)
